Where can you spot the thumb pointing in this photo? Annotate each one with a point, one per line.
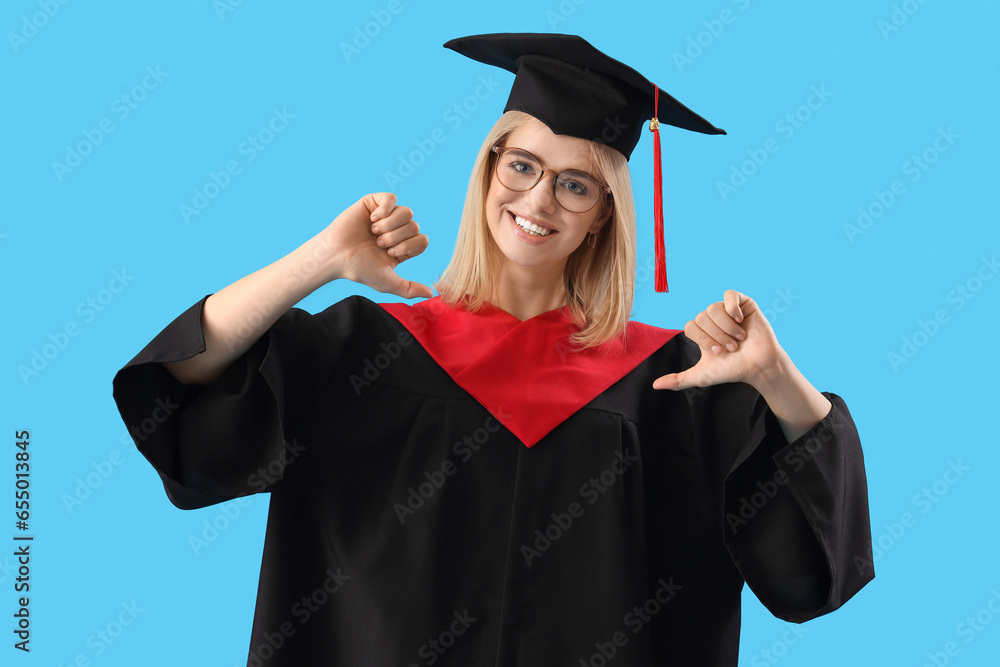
(409, 289)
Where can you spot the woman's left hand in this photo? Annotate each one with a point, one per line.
(737, 345)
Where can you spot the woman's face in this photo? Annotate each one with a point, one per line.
(562, 231)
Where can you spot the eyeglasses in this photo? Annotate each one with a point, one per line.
(576, 191)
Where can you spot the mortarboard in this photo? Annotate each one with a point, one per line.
(566, 83)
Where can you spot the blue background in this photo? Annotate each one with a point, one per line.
(841, 301)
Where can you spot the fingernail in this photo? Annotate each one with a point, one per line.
(375, 229)
(740, 336)
(731, 347)
(380, 243)
(716, 349)
(391, 251)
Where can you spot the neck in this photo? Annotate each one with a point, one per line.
(525, 293)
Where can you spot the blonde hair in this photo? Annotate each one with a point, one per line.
(599, 281)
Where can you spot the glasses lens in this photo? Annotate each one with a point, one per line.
(518, 170)
(576, 191)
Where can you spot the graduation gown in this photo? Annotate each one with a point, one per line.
(450, 488)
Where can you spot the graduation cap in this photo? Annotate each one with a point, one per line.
(576, 90)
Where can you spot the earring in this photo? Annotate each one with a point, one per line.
(591, 239)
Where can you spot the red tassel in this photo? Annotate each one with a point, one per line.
(660, 270)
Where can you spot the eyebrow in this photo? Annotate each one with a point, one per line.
(525, 153)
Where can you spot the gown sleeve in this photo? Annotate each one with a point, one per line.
(232, 438)
(794, 516)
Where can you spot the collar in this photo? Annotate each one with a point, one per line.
(527, 374)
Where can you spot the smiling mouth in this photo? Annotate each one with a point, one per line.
(531, 228)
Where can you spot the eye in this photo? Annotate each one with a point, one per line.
(522, 167)
(575, 186)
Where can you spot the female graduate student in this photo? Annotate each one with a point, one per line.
(490, 476)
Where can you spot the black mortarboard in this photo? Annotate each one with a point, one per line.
(579, 91)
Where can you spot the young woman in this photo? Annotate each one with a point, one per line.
(489, 477)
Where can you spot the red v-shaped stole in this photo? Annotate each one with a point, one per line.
(527, 374)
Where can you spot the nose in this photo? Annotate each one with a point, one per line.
(542, 197)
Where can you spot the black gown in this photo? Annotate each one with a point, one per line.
(409, 526)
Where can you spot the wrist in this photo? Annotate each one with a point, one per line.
(771, 378)
(314, 263)
(796, 404)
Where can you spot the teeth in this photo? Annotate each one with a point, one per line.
(531, 227)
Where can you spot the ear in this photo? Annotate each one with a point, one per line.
(607, 209)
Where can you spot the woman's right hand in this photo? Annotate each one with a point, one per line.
(369, 240)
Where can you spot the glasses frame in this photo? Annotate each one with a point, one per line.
(499, 150)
